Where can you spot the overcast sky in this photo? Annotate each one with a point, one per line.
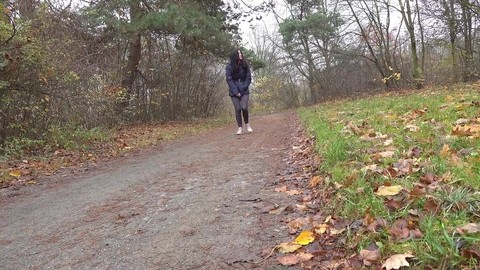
(266, 22)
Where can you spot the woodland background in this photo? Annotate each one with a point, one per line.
(77, 67)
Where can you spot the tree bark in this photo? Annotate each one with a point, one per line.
(468, 40)
(407, 17)
(135, 51)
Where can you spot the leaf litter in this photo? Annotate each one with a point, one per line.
(331, 247)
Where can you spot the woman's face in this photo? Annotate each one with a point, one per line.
(240, 55)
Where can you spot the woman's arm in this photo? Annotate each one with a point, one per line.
(232, 87)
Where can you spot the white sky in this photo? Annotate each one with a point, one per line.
(267, 22)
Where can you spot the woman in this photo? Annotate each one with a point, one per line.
(238, 80)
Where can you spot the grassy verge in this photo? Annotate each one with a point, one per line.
(25, 161)
(407, 166)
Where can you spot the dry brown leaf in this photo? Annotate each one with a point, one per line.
(369, 257)
(336, 231)
(388, 142)
(302, 207)
(305, 256)
(315, 181)
(396, 261)
(462, 121)
(322, 228)
(387, 154)
(411, 128)
(472, 252)
(288, 247)
(431, 205)
(291, 259)
(445, 151)
(393, 205)
(469, 228)
(456, 160)
(277, 211)
(295, 225)
(293, 192)
(328, 219)
(337, 185)
(417, 191)
(467, 130)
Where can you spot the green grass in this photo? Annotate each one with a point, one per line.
(415, 128)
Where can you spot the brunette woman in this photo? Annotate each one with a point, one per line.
(238, 79)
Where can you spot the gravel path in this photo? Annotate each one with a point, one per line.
(190, 204)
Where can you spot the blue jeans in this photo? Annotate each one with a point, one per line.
(241, 108)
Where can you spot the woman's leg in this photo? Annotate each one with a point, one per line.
(238, 110)
(244, 107)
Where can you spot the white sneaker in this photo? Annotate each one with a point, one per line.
(249, 128)
(239, 131)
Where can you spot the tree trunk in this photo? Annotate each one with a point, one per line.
(422, 37)
(468, 39)
(407, 17)
(364, 35)
(135, 52)
(449, 7)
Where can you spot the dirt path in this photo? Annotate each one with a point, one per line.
(190, 204)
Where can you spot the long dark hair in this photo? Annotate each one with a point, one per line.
(236, 62)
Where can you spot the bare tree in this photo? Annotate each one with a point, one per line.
(406, 11)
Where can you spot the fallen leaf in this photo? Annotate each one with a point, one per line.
(389, 190)
(396, 261)
(315, 181)
(373, 168)
(305, 238)
(15, 173)
(393, 205)
(291, 259)
(336, 232)
(302, 207)
(387, 154)
(305, 256)
(431, 205)
(388, 142)
(268, 208)
(469, 228)
(322, 228)
(415, 151)
(377, 223)
(412, 128)
(337, 185)
(328, 219)
(288, 247)
(471, 253)
(295, 225)
(278, 211)
(417, 192)
(445, 151)
(369, 257)
(462, 121)
(293, 192)
(428, 178)
(307, 198)
(281, 189)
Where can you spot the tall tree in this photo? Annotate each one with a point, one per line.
(406, 11)
(308, 36)
(466, 9)
(192, 25)
(376, 32)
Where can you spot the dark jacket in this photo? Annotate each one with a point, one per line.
(238, 83)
